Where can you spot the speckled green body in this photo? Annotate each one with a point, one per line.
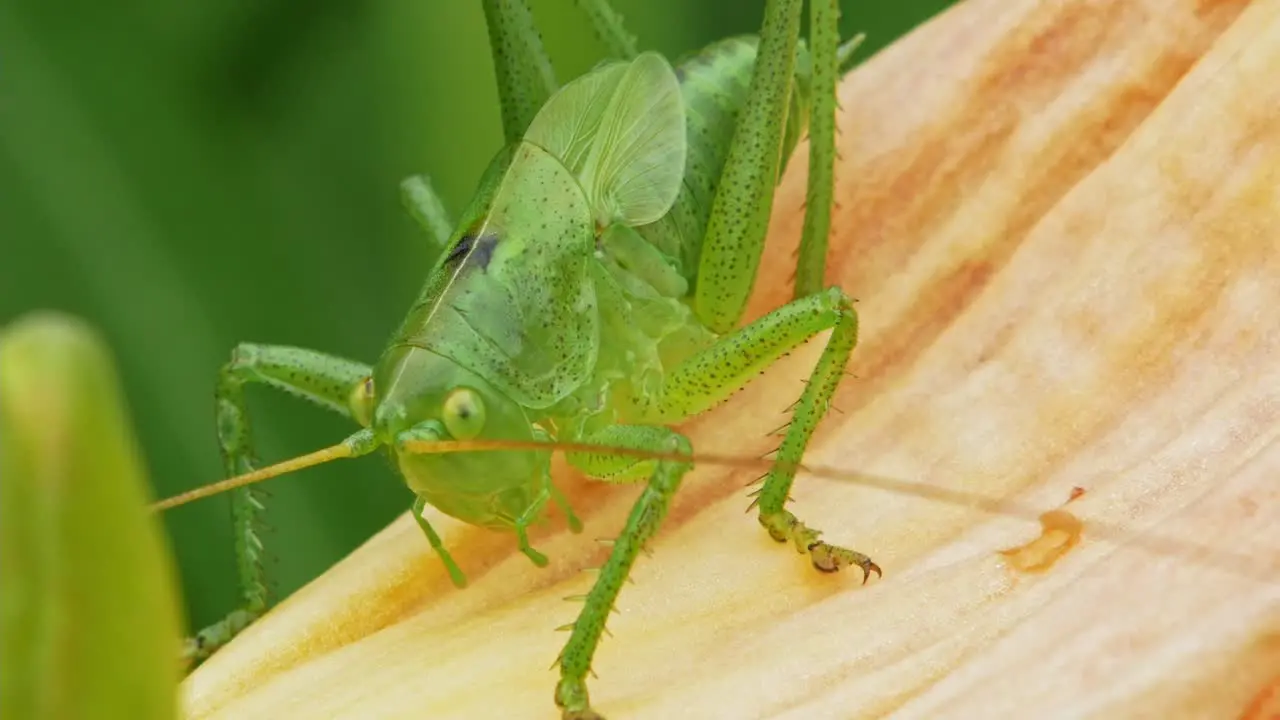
(569, 305)
(523, 301)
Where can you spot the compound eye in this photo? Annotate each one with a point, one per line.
(464, 414)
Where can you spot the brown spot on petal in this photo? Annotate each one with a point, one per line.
(1060, 531)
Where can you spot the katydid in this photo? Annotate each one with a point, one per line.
(591, 292)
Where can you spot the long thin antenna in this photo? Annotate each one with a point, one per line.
(361, 443)
(1237, 562)
(930, 492)
(335, 452)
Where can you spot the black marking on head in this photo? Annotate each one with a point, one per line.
(475, 251)
(460, 250)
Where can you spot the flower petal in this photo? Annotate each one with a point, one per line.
(1061, 220)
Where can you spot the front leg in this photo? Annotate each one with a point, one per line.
(646, 515)
(455, 573)
(331, 382)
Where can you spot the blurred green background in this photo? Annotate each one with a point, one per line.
(188, 175)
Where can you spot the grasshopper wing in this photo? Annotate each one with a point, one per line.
(568, 123)
(621, 130)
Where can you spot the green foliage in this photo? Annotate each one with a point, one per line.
(190, 175)
(88, 601)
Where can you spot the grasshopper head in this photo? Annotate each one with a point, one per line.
(431, 397)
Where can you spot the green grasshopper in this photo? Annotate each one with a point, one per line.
(590, 293)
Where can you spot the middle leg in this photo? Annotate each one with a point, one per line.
(711, 376)
(650, 509)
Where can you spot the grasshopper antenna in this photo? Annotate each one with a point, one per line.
(348, 449)
(919, 489)
(361, 443)
(1236, 562)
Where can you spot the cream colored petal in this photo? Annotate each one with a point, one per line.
(1062, 222)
